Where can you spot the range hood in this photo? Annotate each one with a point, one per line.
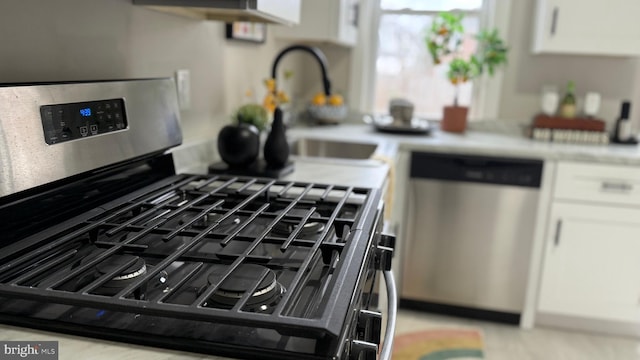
(286, 12)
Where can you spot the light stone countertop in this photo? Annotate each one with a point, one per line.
(505, 141)
(371, 174)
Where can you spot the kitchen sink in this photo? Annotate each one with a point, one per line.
(332, 149)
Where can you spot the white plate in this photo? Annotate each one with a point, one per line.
(385, 123)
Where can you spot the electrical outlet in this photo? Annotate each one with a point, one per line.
(183, 83)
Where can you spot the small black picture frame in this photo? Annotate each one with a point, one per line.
(247, 31)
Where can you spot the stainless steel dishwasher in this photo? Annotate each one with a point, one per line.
(469, 234)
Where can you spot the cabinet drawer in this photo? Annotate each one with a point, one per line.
(615, 184)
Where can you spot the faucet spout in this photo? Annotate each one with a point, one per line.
(317, 54)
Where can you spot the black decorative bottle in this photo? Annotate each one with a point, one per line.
(276, 148)
(622, 130)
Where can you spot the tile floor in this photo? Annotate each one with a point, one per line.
(506, 342)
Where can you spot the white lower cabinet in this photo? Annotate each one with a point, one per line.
(592, 262)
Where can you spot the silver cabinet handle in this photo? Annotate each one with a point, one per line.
(554, 20)
(616, 187)
(556, 238)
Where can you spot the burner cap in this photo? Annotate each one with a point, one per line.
(244, 279)
(286, 227)
(136, 269)
(311, 228)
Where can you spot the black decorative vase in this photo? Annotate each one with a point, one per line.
(239, 145)
(276, 148)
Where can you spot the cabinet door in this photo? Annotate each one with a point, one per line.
(592, 263)
(348, 22)
(608, 27)
(286, 12)
(333, 21)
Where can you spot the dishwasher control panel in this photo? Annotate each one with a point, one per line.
(481, 169)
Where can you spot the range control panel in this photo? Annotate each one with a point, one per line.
(66, 122)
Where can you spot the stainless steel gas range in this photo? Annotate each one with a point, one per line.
(101, 238)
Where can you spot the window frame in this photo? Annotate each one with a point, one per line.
(486, 90)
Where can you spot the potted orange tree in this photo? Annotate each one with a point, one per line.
(444, 41)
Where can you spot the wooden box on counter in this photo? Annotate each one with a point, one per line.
(569, 130)
(556, 122)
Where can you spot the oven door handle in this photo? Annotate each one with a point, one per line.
(392, 312)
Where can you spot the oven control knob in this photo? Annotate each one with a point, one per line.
(362, 350)
(388, 240)
(369, 326)
(384, 252)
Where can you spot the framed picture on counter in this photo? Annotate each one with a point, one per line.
(247, 31)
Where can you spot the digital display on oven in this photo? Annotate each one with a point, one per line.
(86, 112)
(66, 122)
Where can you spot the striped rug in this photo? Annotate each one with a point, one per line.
(441, 344)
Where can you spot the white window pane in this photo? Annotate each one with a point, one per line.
(404, 67)
(431, 5)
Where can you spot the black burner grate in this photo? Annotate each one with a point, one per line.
(194, 234)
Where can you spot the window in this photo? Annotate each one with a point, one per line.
(403, 66)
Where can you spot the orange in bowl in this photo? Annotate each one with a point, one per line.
(336, 100)
(319, 99)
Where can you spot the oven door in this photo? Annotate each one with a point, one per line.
(366, 329)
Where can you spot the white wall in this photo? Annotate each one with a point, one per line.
(43, 40)
(615, 78)
(339, 62)
(247, 66)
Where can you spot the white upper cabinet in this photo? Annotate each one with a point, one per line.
(589, 27)
(285, 12)
(332, 21)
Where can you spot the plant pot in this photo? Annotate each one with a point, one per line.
(454, 119)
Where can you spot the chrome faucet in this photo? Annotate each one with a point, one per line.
(317, 54)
